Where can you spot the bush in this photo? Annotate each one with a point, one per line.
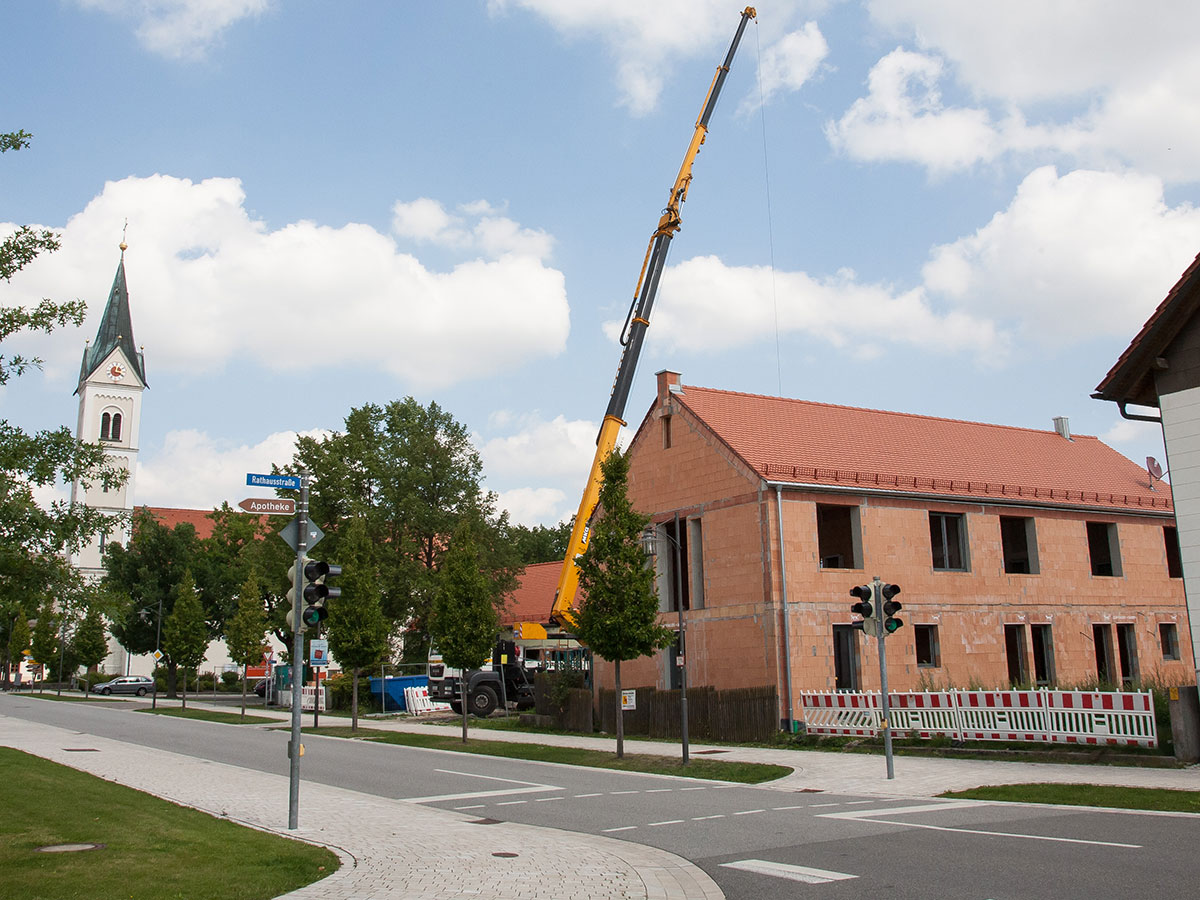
(340, 689)
(230, 680)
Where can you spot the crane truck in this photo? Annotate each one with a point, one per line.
(637, 321)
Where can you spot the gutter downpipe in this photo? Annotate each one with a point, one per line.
(787, 630)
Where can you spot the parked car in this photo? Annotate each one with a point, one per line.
(261, 688)
(141, 685)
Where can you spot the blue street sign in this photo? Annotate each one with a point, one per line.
(291, 482)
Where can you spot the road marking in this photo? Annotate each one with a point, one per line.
(783, 870)
(581, 796)
(622, 828)
(668, 822)
(875, 816)
(704, 818)
(694, 789)
(618, 793)
(857, 802)
(777, 808)
(512, 802)
(749, 812)
(532, 787)
(476, 806)
(659, 790)
(547, 799)
(820, 805)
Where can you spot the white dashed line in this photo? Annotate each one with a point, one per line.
(668, 822)
(581, 796)
(618, 793)
(622, 828)
(476, 806)
(548, 799)
(749, 812)
(512, 802)
(705, 818)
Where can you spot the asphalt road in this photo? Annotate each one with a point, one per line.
(755, 842)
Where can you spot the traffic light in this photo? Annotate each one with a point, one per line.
(864, 593)
(315, 592)
(890, 608)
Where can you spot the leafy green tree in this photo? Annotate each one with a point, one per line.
(411, 473)
(463, 620)
(89, 643)
(239, 544)
(18, 638)
(143, 578)
(32, 538)
(245, 631)
(541, 543)
(618, 615)
(44, 641)
(185, 633)
(358, 631)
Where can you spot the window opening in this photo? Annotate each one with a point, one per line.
(105, 427)
(671, 564)
(1103, 550)
(1168, 636)
(839, 539)
(666, 432)
(845, 658)
(1127, 651)
(116, 426)
(1043, 655)
(947, 536)
(1174, 559)
(675, 676)
(929, 651)
(1014, 649)
(1102, 642)
(1019, 544)
(696, 560)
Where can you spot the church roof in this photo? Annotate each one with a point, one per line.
(115, 331)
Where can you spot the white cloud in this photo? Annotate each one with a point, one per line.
(646, 39)
(540, 449)
(1073, 257)
(209, 283)
(903, 118)
(215, 468)
(179, 29)
(493, 235)
(708, 305)
(789, 63)
(535, 506)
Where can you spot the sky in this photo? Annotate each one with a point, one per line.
(964, 210)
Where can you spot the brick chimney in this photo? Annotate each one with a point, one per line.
(668, 383)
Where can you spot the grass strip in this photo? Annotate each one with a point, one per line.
(711, 769)
(74, 698)
(212, 715)
(152, 849)
(1112, 797)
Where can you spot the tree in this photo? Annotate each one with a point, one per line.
(463, 621)
(245, 631)
(541, 543)
(239, 544)
(32, 537)
(144, 577)
(185, 634)
(89, 644)
(410, 472)
(43, 644)
(19, 637)
(358, 631)
(618, 616)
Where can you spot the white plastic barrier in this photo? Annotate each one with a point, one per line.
(1043, 716)
(416, 700)
(308, 696)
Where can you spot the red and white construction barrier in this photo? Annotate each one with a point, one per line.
(416, 701)
(1043, 716)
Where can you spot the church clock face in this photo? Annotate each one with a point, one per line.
(116, 372)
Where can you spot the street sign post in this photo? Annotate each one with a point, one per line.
(288, 482)
(269, 506)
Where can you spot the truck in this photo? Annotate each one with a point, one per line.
(505, 680)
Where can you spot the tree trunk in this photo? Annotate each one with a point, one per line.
(354, 703)
(172, 680)
(185, 688)
(620, 715)
(462, 696)
(243, 692)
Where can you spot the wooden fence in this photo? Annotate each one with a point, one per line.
(741, 714)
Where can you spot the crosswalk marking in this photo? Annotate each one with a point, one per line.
(783, 870)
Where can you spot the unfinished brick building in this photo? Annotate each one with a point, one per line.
(1025, 557)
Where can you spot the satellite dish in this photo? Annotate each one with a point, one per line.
(1154, 470)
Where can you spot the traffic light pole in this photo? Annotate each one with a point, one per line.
(883, 684)
(297, 653)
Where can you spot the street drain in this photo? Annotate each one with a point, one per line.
(68, 848)
(707, 752)
(80, 750)
(485, 822)
(505, 855)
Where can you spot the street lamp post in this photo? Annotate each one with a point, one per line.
(650, 548)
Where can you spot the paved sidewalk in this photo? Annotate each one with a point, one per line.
(390, 849)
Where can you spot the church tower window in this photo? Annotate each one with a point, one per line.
(116, 426)
(105, 427)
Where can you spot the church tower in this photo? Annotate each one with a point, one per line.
(111, 380)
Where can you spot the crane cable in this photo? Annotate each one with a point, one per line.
(762, 108)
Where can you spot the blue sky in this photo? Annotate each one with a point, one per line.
(960, 210)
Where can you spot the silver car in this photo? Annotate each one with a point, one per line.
(126, 684)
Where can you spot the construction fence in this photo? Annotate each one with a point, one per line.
(737, 715)
(1041, 716)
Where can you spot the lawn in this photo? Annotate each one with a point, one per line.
(712, 769)
(1158, 799)
(212, 715)
(153, 850)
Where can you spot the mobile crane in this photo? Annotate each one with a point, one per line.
(632, 335)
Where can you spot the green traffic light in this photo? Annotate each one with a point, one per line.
(890, 625)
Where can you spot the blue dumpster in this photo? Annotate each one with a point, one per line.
(392, 687)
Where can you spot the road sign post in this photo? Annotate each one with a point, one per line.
(300, 545)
